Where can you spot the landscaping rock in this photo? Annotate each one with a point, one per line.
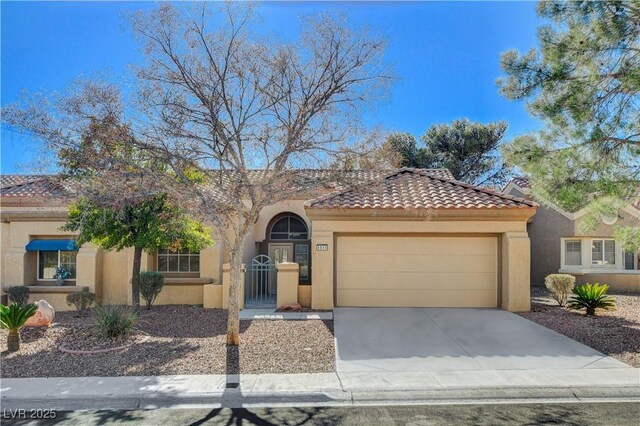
(614, 333)
(182, 340)
(290, 307)
(43, 316)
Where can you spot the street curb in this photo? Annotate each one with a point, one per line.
(236, 398)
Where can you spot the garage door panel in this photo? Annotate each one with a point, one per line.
(423, 245)
(419, 281)
(418, 298)
(417, 271)
(417, 263)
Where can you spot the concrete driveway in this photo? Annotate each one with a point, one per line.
(435, 339)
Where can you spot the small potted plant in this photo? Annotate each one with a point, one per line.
(62, 274)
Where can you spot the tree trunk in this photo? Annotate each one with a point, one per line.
(233, 318)
(135, 279)
(13, 341)
(591, 311)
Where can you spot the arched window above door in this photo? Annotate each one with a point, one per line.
(289, 228)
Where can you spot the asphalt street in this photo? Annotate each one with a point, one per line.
(579, 414)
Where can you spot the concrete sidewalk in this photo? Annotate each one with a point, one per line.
(324, 389)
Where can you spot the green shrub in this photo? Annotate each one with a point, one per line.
(81, 300)
(560, 286)
(12, 318)
(591, 297)
(151, 284)
(19, 294)
(114, 321)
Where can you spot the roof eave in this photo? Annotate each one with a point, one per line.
(521, 213)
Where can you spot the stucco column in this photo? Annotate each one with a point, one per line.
(226, 278)
(322, 270)
(516, 296)
(210, 262)
(89, 268)
(15, 265)
(287, 283)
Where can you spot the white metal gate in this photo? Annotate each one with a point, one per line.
(260, 282)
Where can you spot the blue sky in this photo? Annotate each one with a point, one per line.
(446, 55)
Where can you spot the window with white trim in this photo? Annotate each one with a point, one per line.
(573, 252)
(631, 261)
(178, 261)
(50, 261)
(603, 252)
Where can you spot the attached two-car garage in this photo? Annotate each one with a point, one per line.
(420, 238)
(417, 271)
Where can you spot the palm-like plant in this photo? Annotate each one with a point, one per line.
(13, 318)
(591, 297)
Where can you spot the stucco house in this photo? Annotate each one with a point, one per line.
(414, 237)
(559, 244)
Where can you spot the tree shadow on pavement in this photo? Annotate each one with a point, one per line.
(269, 417)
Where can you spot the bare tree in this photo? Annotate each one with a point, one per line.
(111, 201)
(223, 120)
(221, 101)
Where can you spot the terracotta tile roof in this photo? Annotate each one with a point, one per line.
(521, 181)
(418, 189)
(42, 187)
(10, 180)
(52, 186)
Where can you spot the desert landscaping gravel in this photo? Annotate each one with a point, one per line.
(183, 340)
(614, 333)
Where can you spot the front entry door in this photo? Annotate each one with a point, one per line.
(281, 252)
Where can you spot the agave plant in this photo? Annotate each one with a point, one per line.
(13, 317)
(591, 297)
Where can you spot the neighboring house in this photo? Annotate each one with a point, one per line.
(412, 237)
(559, 244)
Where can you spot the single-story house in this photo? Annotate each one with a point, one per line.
(413, 238)
(560, 245)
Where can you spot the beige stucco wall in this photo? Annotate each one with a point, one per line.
(603, 230)
(180, 294)
(616, 282)
(212, 296)
(546, 230)
(511, 230)
(4, 244)
(111, 271)
(268, 213)
(115, 288)
(304, 295)
(287, 283)
(19, 266)
(108, 274)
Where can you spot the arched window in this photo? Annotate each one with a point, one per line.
(289, 228)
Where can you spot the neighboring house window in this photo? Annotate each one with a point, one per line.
(573, 252)
(49, 261)
(603, 252)
(289, 228)
(178, 261)
(631, 261)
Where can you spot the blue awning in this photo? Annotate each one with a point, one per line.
(52, 245)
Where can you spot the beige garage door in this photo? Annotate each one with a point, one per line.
(417, 271)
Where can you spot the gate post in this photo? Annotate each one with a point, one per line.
(287, 283)
(226, 278)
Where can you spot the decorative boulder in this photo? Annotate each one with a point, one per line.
(43, 316)
(291, 307)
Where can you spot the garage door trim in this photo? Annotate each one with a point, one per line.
(498, 255)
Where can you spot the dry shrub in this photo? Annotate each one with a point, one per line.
(560, 286)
